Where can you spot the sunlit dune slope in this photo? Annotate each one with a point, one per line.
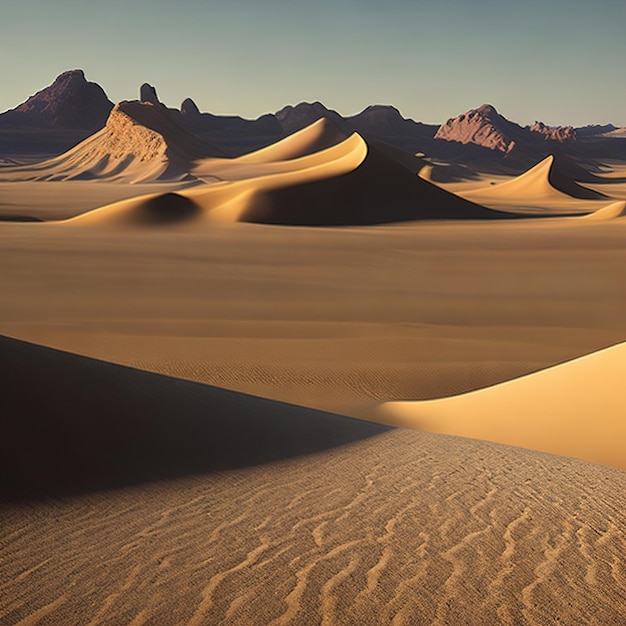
(349, 183)
(544, 181)
(575, 409)
(140, 143)
(615, 210)
(313, 138)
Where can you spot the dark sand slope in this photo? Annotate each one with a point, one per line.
(70, 423)
(402, 528)
(380, 190)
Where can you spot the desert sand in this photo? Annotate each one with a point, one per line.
(547, 410)
(390, 527)
(217, 384)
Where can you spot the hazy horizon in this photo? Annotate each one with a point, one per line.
(553, 62)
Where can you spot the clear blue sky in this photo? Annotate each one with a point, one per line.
(560, 61)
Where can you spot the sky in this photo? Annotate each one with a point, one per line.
(558, 61)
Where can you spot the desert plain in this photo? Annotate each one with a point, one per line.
(312, 376)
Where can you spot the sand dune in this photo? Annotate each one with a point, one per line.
(140, 143)
(349, 183)
(339, 157)
(313, 138)
(544, 181)
(92, 425)
(410, 161)
(548, 410)
(281, 156)
(615, 210)
(379, 191)
(402, 527)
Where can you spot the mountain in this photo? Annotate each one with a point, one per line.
(377, 122)
(595, 130)
(71, 109)
(554, 133)
(294, 118)
(236, 134)
(485, 139)
(70, 102)
(484, 127)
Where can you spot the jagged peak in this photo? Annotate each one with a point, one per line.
(483, 126)
(76, 74)
(314, 106)
(189, 107)
(487, 109)
(386, 109)
(147, 93)
(70, 101)
(554, 133)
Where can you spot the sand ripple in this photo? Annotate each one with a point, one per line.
(403, 528)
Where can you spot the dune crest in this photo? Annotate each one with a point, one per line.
(613, 211)
(349, 183)
(544, 411)
(313, 138)
(544, 181)
(140, 143)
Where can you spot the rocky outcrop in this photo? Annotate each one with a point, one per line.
(70, 102)
(147, 93)
(189, 108)
(294, 118)
(484, 127)
(554, 133)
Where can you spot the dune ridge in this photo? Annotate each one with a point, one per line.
(317, 136)
(348, 183)
(140, 143)
(543, 181)
(613, 211)
(546, 410)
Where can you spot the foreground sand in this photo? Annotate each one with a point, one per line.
(397, 527)
(405, 528)
(576, 408)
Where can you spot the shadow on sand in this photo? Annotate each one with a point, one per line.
(71, 424)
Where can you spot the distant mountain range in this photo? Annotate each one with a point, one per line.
(71, 109)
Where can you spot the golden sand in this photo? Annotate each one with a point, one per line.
(142, 485)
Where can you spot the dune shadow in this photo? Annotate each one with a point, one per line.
(19, 218)
(378, 191)
(167, 208)
(72, 424)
